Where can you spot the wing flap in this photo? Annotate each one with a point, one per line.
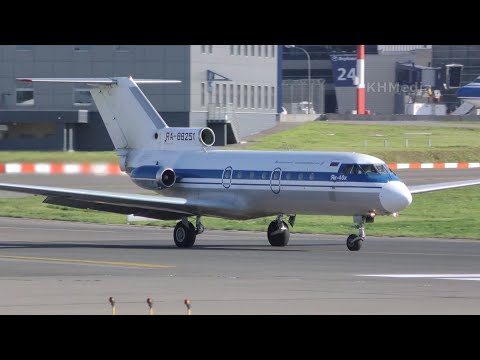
(417, 189)
(150, 202)
(117, 209)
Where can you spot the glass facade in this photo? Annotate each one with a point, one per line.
(466, 55)
(323, 52)
(295, 66)
(319, 70)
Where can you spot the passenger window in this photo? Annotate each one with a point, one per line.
(264, 175)
(239, 174)
(288, 176)
(311, 176)
(227, 174)
(252, 174)
(300, 176)
(276, 175)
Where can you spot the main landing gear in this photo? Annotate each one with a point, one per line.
(354, 242)
(185, 233)
(278, 233)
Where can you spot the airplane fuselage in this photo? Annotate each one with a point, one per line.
(252, 184)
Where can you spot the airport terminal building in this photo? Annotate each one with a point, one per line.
(336, 65)
(231, 88)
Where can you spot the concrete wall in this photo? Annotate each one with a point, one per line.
(243, 70)
(139, 61)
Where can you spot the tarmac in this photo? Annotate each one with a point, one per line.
(52, 267)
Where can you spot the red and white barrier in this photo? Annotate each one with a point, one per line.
(114, 169)
(460, 165)
(64, 169)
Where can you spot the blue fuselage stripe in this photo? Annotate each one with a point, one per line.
(245, 177)
(284, 185)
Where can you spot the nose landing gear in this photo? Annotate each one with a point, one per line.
(354, 242)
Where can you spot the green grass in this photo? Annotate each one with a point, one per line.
(448, 144)
(428, 216)
(58, 156)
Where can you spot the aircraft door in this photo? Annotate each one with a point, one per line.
(227, 177)
(275, 179)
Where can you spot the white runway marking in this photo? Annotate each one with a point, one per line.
(469, 277)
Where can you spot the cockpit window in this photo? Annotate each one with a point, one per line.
(369, 169)
(347, 169)
(357, 170)
(381, 169)
(477, 80)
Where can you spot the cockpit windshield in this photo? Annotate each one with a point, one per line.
(358, 169)
(381, 169)
(369, 169)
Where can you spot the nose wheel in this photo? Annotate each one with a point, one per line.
(354, 242)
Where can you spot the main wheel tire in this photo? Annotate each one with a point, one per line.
(354, 243)
(279, 239)
(184, 236)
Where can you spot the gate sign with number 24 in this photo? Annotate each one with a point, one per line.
(344, 69)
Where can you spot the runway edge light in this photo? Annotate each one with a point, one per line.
(111, 300)
(187, 304)
(150, 305)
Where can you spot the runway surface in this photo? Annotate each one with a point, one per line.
(50, 267)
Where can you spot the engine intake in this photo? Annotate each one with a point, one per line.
(207, 136)
(153, 177)
(165, 177)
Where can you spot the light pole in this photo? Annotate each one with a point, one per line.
(310, 102)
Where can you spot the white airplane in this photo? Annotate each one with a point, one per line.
(470, 93)
(192, 179)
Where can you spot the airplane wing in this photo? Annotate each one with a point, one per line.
(417, 189)
(154, 206)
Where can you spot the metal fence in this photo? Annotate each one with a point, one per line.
(299, 99)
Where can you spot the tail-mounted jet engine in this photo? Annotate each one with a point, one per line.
(153, 177)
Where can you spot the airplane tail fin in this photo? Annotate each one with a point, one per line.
(130, 119)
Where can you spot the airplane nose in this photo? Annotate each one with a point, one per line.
(395, 196)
